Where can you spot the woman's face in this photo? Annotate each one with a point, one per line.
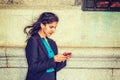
(49, 29)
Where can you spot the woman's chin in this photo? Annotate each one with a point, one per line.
(49, 35)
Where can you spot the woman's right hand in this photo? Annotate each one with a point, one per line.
(59, 58)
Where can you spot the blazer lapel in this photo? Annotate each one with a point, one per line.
(42, 45)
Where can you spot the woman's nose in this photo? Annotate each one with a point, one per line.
(53, 30)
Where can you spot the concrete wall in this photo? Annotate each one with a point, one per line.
(76, 28)
(92, 37)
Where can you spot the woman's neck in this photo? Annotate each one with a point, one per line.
(41, 33)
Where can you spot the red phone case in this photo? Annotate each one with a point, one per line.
(67, 53)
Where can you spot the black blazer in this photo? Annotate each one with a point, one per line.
(38, 60)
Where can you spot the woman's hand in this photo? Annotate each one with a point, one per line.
(60, 58)
(67, 57)
(67, 54)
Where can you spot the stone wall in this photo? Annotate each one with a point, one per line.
(76, 28)
(85, 63)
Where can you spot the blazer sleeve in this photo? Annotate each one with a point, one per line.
(60, 65)
(35, 65)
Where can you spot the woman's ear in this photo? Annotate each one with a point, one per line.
(42, 25)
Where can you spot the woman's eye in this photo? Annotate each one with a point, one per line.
(52, 27)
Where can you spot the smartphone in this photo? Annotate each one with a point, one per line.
(67, 53)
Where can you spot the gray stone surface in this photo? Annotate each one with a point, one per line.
(85, 74)
(17, 62)
(15, 52)
(91, 52)
(85, 63)
(65, 74)
(3, 57)
(81, 57)
(116, 74)
(12, 73)
(2, 51)
(94, 63)
(69, 74)
(3, 62)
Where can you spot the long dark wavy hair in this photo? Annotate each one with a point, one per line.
(44, 18)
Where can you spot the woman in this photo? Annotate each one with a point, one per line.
(41, 51)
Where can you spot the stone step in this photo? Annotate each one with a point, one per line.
(65, 74)
(86, 58)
